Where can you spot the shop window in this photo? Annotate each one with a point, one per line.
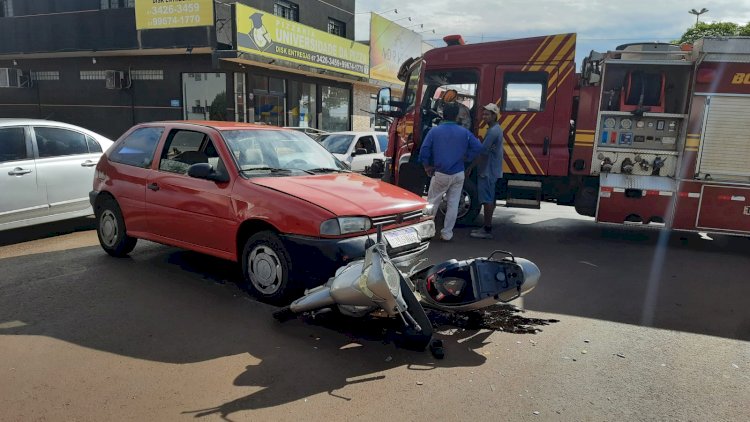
(286, 10)
(336, 27)
(205, 96)
(240, 110)
(335, 102)
(117, 4)
(524, 91)
(6, 8)
(302, 105)
(45, 76)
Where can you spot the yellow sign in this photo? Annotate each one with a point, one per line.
(268, 35)
(163, 14)
(390, 45)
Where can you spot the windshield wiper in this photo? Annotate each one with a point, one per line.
(271, 169)
(327, 170)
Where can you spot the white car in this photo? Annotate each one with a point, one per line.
(357, 149)
(46, 171)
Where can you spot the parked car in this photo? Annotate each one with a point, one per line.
(46, 169)
(309, 131)
(269, 198)
(357, 149)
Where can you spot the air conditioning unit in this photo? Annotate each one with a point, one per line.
(117, 79)
(13, 78)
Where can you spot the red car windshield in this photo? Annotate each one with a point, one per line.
(263, 151)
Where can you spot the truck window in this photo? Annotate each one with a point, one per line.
(410, 94)
(524, 91)
(441, 87)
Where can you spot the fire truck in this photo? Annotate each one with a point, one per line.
(652, 134)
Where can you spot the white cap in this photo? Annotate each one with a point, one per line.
(492, 107)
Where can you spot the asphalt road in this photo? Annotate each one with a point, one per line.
(651, 327)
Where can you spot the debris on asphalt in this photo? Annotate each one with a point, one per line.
(533, 343)
(536, 412)
(587, 341)
(419, 383)
(620, 355)
(500, 317)
(584, 351)
(518, 342)
(492, 387)
(663, 364)
(734, 365)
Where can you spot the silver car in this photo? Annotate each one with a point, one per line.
(46, 171)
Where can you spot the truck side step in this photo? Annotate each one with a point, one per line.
(524, 194)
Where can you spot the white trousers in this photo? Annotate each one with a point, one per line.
(450, 186)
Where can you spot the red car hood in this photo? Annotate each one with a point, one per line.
(346, 194)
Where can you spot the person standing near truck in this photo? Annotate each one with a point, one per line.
(443, 153)
(490, 167)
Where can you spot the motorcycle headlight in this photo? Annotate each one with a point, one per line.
(345, 225)
(427, 210)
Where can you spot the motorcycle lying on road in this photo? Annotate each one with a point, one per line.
(374, 284)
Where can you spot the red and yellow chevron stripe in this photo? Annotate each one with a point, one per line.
(554, 52)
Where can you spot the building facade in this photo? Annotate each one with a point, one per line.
(108, 64)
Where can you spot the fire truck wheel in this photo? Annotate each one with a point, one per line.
(469, 207)
(585, 201)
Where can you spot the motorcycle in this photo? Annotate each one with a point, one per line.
(374, 283)
(366, 286)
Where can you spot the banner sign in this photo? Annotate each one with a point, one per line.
(390, 45)
(268, 35)
(165, 14)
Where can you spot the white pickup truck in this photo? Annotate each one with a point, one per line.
(357, 149)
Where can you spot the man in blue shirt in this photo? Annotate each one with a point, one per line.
(490, 166)
(443, 153)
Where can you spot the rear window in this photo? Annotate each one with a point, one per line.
(138, 148)
(12, 144)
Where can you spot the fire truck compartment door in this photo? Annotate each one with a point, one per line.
(725, 148)
(724, 208)
(527, 116)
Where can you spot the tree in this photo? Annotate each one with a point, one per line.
(715, 29)
(218, 109)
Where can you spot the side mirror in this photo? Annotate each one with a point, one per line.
(384, 101)
(205, 171)
(359, 151)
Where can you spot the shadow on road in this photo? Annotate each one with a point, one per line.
(43, 231)
(671, 280)
(181, 307)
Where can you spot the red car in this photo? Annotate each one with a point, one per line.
(272, 199)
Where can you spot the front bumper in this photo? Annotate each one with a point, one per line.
(315, 260)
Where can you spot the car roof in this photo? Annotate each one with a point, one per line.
(221, 125)
(9, 121)
(357, 132)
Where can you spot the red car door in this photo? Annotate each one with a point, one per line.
(190, 212)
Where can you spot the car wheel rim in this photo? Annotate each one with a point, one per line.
(264, 270)
(464, 205)
(108, 228)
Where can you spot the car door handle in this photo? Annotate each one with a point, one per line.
(153, 186)
(18, 171)
(88, 163)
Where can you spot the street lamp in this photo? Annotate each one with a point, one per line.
(697, 13)
(408, 18)
(419, 25)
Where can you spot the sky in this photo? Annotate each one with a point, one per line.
(601, 25)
